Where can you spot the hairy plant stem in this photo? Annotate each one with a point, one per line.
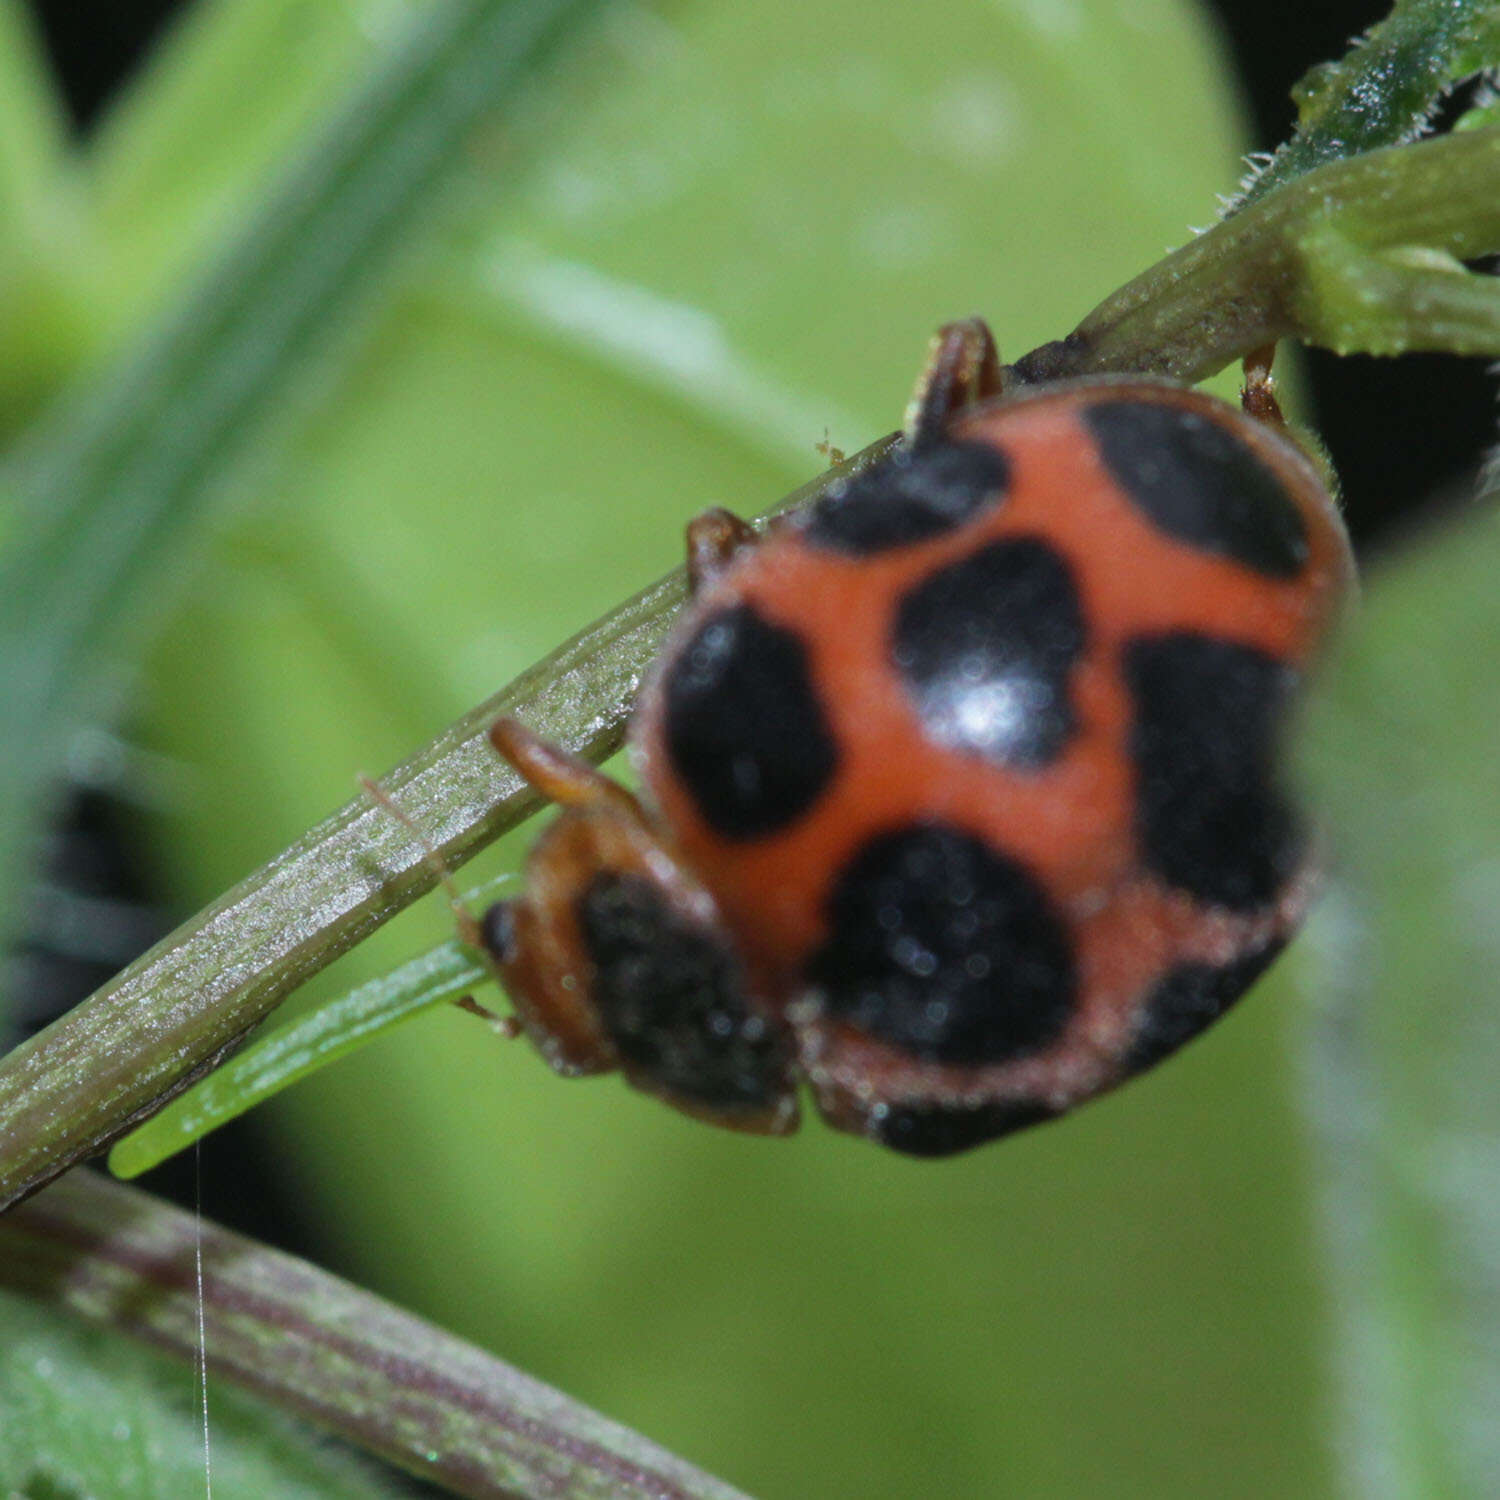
(1361, 256)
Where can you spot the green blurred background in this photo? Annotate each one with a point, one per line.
(717, 232)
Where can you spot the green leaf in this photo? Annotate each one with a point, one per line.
(231, 92)
(1406, 1051)
(1483, 113)
(32, 149)
(296, 1336)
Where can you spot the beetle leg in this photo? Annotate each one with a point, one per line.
(561, 777)
(714, 539)
(558, 774)
(962, 367)
(1258, 397)
(508, 1028)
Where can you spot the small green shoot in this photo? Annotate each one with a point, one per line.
(290, 1052)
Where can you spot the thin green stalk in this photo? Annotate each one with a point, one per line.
(281, 1057)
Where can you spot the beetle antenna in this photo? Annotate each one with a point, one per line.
(470, 932)
(468, 923)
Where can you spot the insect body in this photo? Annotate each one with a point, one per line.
(964, 799)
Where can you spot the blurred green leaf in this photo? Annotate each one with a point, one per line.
(370, 1373)
(32, 147)
(115, 489)
(226, 96)
(1404, 1062)
(1484, 110)
(42, 311)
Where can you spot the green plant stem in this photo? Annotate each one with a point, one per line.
(318, 1346)
(1360, 256)
(180, 1008)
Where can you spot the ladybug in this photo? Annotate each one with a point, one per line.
(962, 799)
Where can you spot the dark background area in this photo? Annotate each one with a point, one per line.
(1383, 422)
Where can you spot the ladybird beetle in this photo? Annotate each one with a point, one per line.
(963, 791)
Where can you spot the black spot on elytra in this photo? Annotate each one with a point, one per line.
(943, 1129)
(744, 727)
(1210, 815)
(908, 497)
(497, 931)
(985, 647)
(945, 949)
(1187, 999)
(672, 998)
(1200, 483)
